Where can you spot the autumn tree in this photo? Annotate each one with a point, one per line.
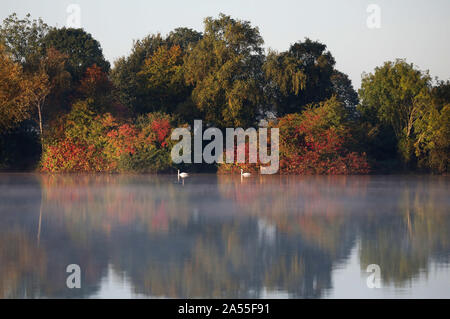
(95, 85)
(55, 65)
(21, 94)
(49, 88)
(14, 92)
(23, 43)
(319, 141)
(225, 69)
(24, 39)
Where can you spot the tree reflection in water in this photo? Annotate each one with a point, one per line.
(216, 236)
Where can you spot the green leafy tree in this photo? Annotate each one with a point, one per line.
(395, 96)
(162, 74)
(432, 146)
(132, 88)
(225, 69)
(23, 38)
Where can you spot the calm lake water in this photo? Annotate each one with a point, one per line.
(144, 236)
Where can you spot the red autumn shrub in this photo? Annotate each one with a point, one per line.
(157, 128)
(152, 145)
(95, 82)
(87, 142)
(235, 167)
(122, 139)
(70, 156)
(316, 142)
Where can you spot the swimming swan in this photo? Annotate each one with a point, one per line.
(244, 174)
(182, 175)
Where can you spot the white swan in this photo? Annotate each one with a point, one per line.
(182, 175)
(244, 174)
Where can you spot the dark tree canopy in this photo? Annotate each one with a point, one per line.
(343, 89)
(83, 50)
(183, 37)
(124, 75)
(441, 93)
(305, 74)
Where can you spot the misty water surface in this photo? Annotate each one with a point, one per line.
(146, 236)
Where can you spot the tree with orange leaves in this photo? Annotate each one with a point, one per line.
(96, 85)
(14, 93)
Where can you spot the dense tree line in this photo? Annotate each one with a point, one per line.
(63, 108)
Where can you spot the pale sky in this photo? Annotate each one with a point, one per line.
(418, 30)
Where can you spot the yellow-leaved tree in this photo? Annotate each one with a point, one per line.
(14, 92)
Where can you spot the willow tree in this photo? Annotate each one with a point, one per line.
(305, 74)
(225, 69)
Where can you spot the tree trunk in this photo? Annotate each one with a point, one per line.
(40, 127)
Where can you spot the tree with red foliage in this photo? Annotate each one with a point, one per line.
(87, 142)
(72, 156)
(96, 85)
(317, 141)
